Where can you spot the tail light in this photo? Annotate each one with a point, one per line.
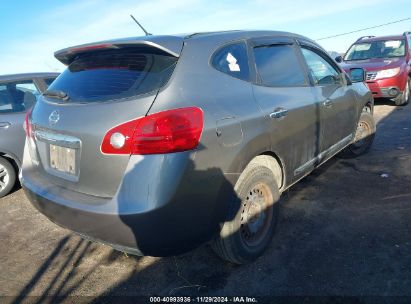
(163, 132)
(28, 128)
(27, 124)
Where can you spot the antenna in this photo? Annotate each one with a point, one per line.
(138, 23)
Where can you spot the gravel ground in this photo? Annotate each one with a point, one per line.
(344, 230)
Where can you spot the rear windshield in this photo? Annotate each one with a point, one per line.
(114, 74)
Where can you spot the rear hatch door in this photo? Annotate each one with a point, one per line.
(104, 85)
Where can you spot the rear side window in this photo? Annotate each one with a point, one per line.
(278, 66)
(233, 60)
(114, 74)
(17, 96)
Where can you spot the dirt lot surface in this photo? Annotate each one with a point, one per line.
(345, 230)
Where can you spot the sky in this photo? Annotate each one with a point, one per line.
(31, 31)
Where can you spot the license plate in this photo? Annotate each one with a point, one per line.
(63, 159)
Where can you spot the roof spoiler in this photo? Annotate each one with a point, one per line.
(364, 37)
(170, 45)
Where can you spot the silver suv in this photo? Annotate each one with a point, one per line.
(18, 93)
(157, 144)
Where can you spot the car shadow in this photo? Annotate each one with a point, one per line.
(194, 198)
(384, 101)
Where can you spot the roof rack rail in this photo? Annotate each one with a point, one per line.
(364, 37)
(407, 33)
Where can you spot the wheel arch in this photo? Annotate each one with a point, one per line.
(272, 161)
(278, 170)
(12, 158)
(259, 147)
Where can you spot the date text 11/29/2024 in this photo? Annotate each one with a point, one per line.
(203, 300)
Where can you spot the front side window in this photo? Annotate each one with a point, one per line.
(376, 49)
(232, 60)
(322, 72)
(278, 66)
(17, 96)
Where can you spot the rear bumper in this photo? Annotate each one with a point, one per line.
(108, 229)
(184, 209)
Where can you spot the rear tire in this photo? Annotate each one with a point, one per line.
(252, 217)
(7, 177)
(364, 137)
(404, 97)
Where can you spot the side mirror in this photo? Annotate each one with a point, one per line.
(357, 75)
(339, 59)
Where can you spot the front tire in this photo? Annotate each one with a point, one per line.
(252, 217)
(7, 177)
(364, 136)
(404, 97)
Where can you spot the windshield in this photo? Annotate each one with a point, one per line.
(376, 49)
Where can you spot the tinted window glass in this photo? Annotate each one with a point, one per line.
(48, 81)
(17, 96)
(233, 60)
(322, 72)
(278, 65)
(114, 74)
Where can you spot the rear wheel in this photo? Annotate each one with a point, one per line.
(364, 136)
(252, 218)
(7, 177)
(404, 98)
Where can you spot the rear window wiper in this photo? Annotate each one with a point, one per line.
(56, 94)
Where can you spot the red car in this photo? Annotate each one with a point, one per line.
(387, 62)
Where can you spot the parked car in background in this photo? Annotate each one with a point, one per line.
(387, 62)
(156, 144)
(18, 93)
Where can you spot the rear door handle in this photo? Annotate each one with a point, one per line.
(4, 125)
(278, 113)
(328, 103)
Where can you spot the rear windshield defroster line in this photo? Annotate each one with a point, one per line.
(114, 74)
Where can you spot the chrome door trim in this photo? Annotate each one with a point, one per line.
(325, 155)
(336, 147)
(304, 167)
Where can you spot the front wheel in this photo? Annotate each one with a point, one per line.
(404, 97)
(252, 218)
(364, 137)
(7, 177)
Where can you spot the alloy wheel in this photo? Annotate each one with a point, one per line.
(4, 177)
